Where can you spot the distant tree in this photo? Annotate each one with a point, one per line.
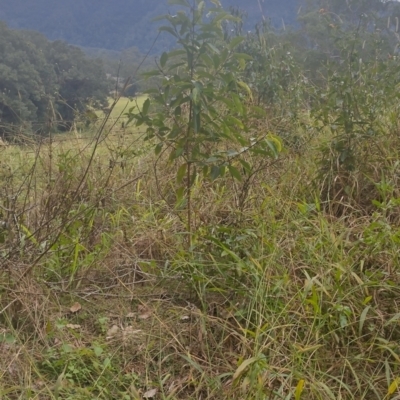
(25, 78)
(80, 81)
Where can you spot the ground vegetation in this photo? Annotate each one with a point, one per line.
(231, 234)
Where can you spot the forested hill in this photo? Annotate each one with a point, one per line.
(42, 80)
(118, 24)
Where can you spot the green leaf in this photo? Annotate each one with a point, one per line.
(235, 42)
(7, 338)
(232, 153)
(194, 175)
(246, 87)
(180, 198)
(175, 53)
(205, 74)
(242, 56)
(178, 111)
(201, 6)
(343, 320)
(146, 106)
(158, 148)
(98, 351)
(150, 74)
(159, 18)
(243, 366)
(168, 29)
(235, 121)
(299, 389)
(196, 121)
(393, 387)
(174, 132)
(196, 94)
(177, 101)
(163, 59)
(215, 172)
(181, 173)
(258, 111)
(178, 152)
(107, 362)
(362, 319)
(212, 159)
(274, 144)
(213, 48)
(235, 172)
(395, 319)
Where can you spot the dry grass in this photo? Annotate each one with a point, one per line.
(273, 295)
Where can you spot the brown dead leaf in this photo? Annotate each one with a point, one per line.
(73, 326)
(129, 332)
(130, 315)
(112, 331)
(39, 384)
(142, 308)
(144, 311)
(75, 307)
(145, 315)
(150, 394)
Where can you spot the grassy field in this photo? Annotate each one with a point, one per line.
(283, 298)
(123, 105)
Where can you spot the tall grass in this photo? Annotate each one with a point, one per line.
(287, 289)
(277, 300)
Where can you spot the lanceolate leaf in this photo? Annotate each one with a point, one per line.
(168, 29)
(235, 172)
(245, 86)
(235, 42)
(146, 106)
(178, 152)
(180, 197)
(163, 59)
(213, 48)
(196, 121)
(196, 95)
(299, 389)
(181, 173)
(201, 6)
(150, 74)
(158, 148)
(216, 3)
(235, 121)
(215, 172)
(246, 165)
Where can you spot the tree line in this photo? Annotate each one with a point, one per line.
(43, 81)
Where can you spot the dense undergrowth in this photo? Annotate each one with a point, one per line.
(267, 274)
